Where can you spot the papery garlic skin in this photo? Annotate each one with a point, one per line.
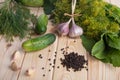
(16, 55)
(75, 30)
(14, 66)
(63, 28)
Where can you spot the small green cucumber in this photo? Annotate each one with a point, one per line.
(32, 3)
(38, 43)
(41, 25)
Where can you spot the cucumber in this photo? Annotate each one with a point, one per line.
(41, 25)
(38, 43)
(31, 3)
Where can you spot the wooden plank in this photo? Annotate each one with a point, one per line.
(117, 73)
(110, 72)
(3, 49)
(1, 0)
(107, 1)
(61, 73)
(115, 2)
(93, 69)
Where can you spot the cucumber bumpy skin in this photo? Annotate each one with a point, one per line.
(38, 43)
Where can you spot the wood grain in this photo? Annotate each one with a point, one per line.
(45, 65)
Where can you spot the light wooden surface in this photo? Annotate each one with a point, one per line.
(96, 69)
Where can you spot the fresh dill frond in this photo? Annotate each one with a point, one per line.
(14, 20)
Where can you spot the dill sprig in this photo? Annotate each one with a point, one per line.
(14, 20)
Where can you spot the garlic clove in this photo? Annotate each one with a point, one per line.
(75, 30)
(30, 72)
(14, 66)
(63, 28)
(16, 55)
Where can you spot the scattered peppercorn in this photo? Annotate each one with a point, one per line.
(54, 61)
(53, 66)
(50, 64)
(63, 52)
(55, 55)
(43, 75)
(49, 70)
(87, 62)
(74, 41)
(74, 61)
(55, 52)
(43, 68)
(62, 49)
(9, 45)
(87, 69)
(49, 50)
(58, 66)
(40, 56)
(49, 59)
(66, 52)
(67, 47)
(60, 58)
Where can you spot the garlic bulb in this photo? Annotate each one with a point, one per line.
(63, 28)
(75, 30)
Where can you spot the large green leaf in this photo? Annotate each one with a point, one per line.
(107, 49)
(114, 56)
(87, 43)
(98, 50)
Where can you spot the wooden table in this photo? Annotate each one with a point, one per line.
(43, 68)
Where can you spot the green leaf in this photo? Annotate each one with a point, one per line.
(98, 50)
(113, 12)
(48, 6)
(87, 43)
(114, 56)
(113, 41)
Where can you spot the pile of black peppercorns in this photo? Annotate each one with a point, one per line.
(74, 61)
